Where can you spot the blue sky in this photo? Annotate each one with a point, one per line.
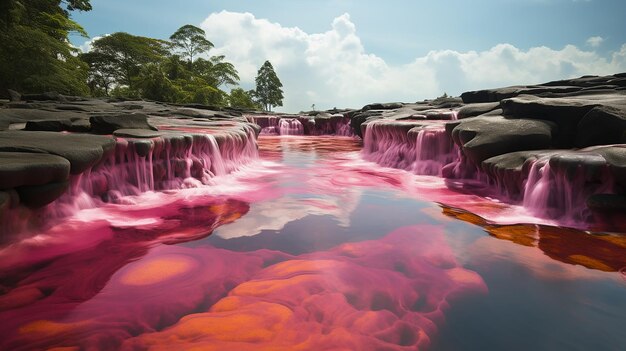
(350, 52)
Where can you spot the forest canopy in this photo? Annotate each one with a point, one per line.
(38, 57)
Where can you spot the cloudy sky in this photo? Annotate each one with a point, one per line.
(347, 53)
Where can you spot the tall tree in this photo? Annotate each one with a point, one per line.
(36, 55)
(129, 53)
(191, 41)
(268, 87)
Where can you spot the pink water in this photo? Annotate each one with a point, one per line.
(311, 247)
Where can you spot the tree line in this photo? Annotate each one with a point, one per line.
(38, 57)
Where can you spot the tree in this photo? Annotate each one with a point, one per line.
(36, 55)
(240, 98)
(154, 84)
(268, 87)
(216, 71)
(191, 41)
(102, 72)
(128, 53)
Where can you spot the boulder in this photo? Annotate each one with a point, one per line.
(20, 168)
(603, 125)
(35, 196)
(385, 106)
(483, 137)
(473, 110)
(51, 125)
(82, 151)
(360, 118)
(80, 125)
(495, 95)
(107, 124)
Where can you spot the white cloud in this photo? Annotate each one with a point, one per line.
(88, 45)
(594, 42)
(333, 68)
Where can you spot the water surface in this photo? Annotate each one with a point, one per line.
(313, 248)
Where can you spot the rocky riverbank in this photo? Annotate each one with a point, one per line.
(79, 152)
(558, 148)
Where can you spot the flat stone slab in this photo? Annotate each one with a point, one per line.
(22, 168)
(485, 137)
(107, 124)
(136, 133)
(81, 150)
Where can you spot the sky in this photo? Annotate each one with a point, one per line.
(348, 53)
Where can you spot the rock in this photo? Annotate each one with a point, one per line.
(136, 133)
(473, 110)
(14, 96)
(83, 151)
(607, 202)
(385, 106)
(5, 202)
(360, 118)
(51, 125)
(615, 156)
(70, 107)
(80, 125)
(483, 137)
(54, 96)
(257, 128)
(143, 147)
(565, 112)
(35, 196)
(107, 124)
(603, 125)
(18, 115)
(511, 169)
(495, 95)
(20, 168)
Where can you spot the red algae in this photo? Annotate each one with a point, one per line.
(389, 293)
(146, 273)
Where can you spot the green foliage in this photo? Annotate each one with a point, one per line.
(215, 71)
(268, 87)
(154, 84)
(240, 98)
(126, 54)
(191, 41)
(102, 72)
(36, 55)
(150, 68)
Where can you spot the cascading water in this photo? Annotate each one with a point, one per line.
(433, 150)
(181, 159)
(555, 186)
(290, 126)
(268, 124)
(387, 143)
(562, 192)
(423, 148)
(303, 125)
(332, 125)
